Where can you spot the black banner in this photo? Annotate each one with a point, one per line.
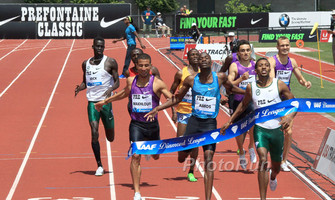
(218, 22)
(292, 34)
(21, 21)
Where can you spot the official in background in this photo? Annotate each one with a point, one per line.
(332, 31)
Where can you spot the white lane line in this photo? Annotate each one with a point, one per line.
(150, 44)
(5, 90)
(111, 171)
(13, 49)
(32, 143)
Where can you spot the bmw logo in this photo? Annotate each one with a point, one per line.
(284, 20)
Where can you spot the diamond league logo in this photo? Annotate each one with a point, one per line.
(284, 20)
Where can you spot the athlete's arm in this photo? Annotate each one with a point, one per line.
(233, 74)
(223, 80)
(240, 108)
(155, 72)
(226, 63)
(299, 76)
(120, 39)
(173, 88)
(120, 95)
(188, 82)
(112, 68)
(285, 91)
(82, 85)
(272, 66)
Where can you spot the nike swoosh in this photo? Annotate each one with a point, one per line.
(311, 36)
(8, 20)
(256, 21)
(104, 24)
(211, 88)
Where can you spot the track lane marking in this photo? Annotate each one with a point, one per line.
(32, 143)
(18, 76)
(13, 49)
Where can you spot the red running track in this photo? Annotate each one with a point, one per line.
(46, 151)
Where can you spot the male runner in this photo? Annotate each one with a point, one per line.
(269, 136)
(184, 108)
(205, 107)
(241, 73)
(144, 91)
(100, 78)
(282, 67)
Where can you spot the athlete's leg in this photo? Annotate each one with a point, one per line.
(251, 138)
(135, 170)
(287, 145)
(263, 176)
(240, 140)
(95, 141)
(107, 118)
(209, 173)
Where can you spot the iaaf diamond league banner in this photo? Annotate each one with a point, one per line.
(218, 22)
(21, 21)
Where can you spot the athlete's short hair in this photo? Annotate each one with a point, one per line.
(242, 42)
(188, 53)
(138, 49)
(144, 56)
(260, 59)
(282, 38)
(98, 38)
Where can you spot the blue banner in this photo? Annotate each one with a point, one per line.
(259, 115)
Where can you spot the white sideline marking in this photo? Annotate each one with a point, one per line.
(13, 49)
(111, 171)
(32, 143)
(3, 92)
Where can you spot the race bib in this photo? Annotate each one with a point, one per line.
(141, 103)
(243, 85)
(188, 96)
(284, 75)
(205, 105)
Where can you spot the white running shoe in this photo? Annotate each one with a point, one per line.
(252, 154)
(284, 167)
(100, 171)
(137, 196)
(273, 183)
(243, 161)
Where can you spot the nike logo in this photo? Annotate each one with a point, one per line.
(256, 21)
(209, 99)
(94, 72)
(8, 20)
(211, 88)
(104, 24)
(269, 101)
(144, 97)
(311, 36)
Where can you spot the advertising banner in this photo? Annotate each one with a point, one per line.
(325, 159)
(325, 36)
(292, 34)
(218, 22)
(216, 51)
(297, 19)
(21, 21)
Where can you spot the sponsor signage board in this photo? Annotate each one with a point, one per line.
(325, 36)
(178, 42)
(325, 159)
(292, 34)
(295, 19)
(21, 21)
(217, 22)
(216, 51)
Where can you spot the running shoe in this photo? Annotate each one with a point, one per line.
(243, 161)
(99, 172)
(122, 76)
(273, 183)
(252, 154)
(284, 167)
(191, 178)
(137, 196)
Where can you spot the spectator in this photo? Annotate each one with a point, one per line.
(148, 17)
(332, 31)
(160, 25)
(181, 11)
(233, 42)
(187, 11)
(194, 32)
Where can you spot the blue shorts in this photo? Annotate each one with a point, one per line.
(183, 118)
